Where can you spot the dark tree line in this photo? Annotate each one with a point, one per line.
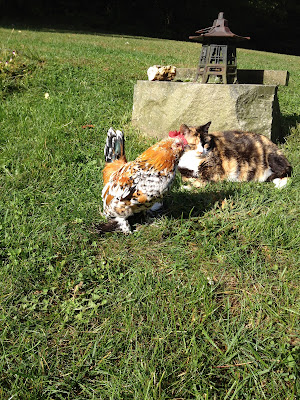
(273, 25)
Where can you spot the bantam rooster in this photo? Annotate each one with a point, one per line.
(131, 187)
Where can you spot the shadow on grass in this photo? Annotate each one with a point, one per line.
(184, 205)
(195, 203)
(288, 123)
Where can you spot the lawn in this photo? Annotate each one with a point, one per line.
(201, 303)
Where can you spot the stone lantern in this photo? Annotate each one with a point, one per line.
(218, 53)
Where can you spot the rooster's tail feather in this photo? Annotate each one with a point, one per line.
(114, 147)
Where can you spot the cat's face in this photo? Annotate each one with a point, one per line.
(198, 138)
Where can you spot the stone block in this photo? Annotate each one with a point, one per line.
(264, 77)
(244, 76)
(185, 74)
(160, 106)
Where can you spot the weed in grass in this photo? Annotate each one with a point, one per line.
(15, 69)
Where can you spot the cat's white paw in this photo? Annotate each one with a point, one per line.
(280, 182)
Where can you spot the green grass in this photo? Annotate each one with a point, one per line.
(202, 303)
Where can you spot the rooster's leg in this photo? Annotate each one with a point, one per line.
(155, 211)
(156, 207)
(123, 225)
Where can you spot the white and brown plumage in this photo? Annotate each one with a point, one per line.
(131, 187)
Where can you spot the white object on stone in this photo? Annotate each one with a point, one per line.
(161, 73)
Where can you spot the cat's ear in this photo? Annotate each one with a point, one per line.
(203, 128)
(184, 129)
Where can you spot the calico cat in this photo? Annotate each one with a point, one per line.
(231, 155)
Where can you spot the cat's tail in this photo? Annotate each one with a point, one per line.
(281, 168)
(289, 170)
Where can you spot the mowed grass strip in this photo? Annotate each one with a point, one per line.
(202, 303)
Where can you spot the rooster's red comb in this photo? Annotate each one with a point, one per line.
(174, 134)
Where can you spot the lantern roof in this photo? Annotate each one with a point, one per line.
(219, 30)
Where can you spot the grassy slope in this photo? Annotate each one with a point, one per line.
(169, 311)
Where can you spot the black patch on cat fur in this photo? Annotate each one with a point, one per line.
(279, 166)
(251, 174)
(187, 173)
